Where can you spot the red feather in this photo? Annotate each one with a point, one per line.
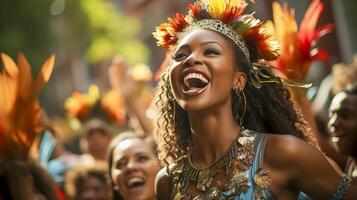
(195, 10)
(298, 51)
(230, 14)
(259, 39)
(320, 54)
(178, 22)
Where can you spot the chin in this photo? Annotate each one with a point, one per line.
(194, 106)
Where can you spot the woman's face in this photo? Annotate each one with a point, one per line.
(203, 71)
(134, 169)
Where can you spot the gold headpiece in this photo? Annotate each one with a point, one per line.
(226, 17)
(219, 26)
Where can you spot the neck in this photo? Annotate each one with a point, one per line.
(212, 134)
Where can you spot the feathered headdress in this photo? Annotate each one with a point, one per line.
(226, 17)
(298, 44)
(20, 111)
(81, 106)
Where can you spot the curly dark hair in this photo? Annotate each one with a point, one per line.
(269, 109)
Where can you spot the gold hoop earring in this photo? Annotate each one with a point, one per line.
(239, 92)
(244, 110)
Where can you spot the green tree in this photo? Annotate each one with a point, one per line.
(101, 32)
(25, 27)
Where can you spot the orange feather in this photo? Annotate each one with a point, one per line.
(20, 111)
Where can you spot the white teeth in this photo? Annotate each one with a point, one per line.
(197, 76)
(335, 139)
(135, 180)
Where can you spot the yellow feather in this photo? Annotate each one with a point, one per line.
(8, 86)
(9, 65)
(285, 23)
(25, 77)
(278, 21)
(216, 7)
(45, 73)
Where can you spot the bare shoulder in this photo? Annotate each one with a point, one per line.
(293, 157)
(163, 184)
(288, 148)
(287, 152)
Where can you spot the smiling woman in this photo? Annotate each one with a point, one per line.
(226, 119)
(133, 164)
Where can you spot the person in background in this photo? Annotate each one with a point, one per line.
(96, 142)
(88, 183)
(122, 82)
(341, 76)
(133, 165)
(342, 126)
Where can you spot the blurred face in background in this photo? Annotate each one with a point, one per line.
(97, 144)
(343, 123)
(94, 189)
(134, 168)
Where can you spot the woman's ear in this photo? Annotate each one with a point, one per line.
(240, 78)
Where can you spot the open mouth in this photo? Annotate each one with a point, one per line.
(135, 183)
(194, 83)
(335, 139)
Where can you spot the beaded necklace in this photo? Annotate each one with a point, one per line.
(234, 163)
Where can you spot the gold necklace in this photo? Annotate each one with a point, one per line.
(235, 161)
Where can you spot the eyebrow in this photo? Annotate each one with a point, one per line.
(209, 42)
(202, 44)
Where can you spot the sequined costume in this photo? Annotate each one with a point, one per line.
(255, 186)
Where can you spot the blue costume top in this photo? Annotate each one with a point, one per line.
(259, 148)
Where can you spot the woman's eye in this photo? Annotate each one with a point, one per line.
(142, 158)
(211, 52)
(120, 165)
(179, 56)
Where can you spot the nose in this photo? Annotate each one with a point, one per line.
(192, 60)
(132, 165)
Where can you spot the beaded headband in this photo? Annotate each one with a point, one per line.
(226, 17)
(219, 26)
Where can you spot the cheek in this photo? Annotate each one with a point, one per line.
(223, 80)
(152, 168)
(117, 177)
